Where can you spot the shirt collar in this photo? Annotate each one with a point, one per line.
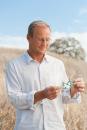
(27, 58)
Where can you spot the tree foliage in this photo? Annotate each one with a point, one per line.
(69, 47)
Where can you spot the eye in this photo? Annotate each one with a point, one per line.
(48, 39)
(44, 40)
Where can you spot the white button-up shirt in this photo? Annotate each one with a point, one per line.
(24, 77)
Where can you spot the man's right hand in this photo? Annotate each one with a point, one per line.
(51, 92)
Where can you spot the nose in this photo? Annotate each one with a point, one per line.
(45, 41)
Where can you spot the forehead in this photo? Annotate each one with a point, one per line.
(42, 25)
(41, 28)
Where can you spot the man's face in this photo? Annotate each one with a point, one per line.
(39, 42)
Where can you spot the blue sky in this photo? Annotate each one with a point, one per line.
(64, 16)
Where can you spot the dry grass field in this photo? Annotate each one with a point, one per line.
(75, 114)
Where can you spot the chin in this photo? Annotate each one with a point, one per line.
(42, 52)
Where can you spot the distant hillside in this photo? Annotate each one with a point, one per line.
(75, 115)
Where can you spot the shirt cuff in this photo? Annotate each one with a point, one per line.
(68, 99)
(31, 101)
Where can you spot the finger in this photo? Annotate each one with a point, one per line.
(78, 80)
(54, 93)
(81, 89)
(57, 87)
(52, 97)
(79, 84)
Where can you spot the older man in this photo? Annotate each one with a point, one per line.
(34, 83)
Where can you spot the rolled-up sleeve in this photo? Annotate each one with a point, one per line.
(66, 97)
(20, 99)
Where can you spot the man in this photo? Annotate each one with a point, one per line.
(34, 83)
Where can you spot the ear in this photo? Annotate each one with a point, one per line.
(27, 37)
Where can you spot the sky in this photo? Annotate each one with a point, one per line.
(66, 18)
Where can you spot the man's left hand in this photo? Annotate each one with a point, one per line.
(78, 86)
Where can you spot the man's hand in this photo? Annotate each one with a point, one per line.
(51, 92)
(78, 86)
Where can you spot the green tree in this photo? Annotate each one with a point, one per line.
(69, 47)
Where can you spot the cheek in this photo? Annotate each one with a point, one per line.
(44, 46)
(47, 46)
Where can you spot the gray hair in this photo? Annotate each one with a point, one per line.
(35, 23)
